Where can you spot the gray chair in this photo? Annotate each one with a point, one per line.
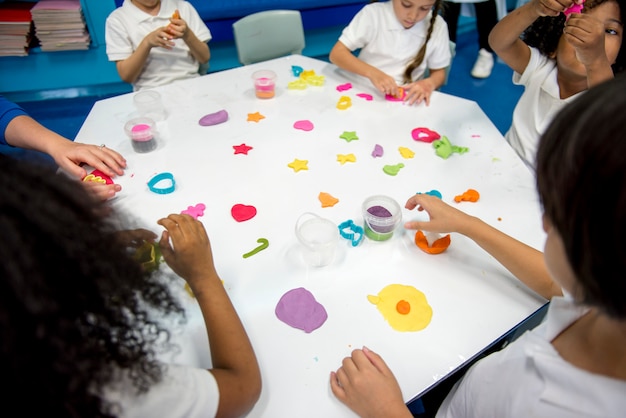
(269, 34)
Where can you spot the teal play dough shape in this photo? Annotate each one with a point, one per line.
(299, 309)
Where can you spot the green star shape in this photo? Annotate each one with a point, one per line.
(349, 136)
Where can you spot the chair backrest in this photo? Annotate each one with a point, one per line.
(269, 34)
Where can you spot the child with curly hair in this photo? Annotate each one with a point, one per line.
(556, 56)
(83, 320)
(399, 40)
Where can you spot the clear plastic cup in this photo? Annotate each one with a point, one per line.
(264, 83)
(142, 133)
(149, 104)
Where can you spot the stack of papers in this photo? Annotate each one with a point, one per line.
(16, 28)
(60, 25)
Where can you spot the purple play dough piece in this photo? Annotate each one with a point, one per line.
(379, 211)
(214, 118)
(299, 309)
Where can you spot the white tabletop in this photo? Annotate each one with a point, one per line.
(474, 299)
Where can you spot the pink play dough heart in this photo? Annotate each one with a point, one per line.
(243, 212)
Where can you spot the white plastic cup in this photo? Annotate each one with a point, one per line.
(149, 104)
(318, 237)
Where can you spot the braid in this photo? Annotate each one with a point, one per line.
(408, 78)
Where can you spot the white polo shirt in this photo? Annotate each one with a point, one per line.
(388, 46)
(127, 26)
(537, 106)
(183, 392)
(529, 378)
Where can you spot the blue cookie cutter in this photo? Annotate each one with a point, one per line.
(164, 177)
(351, 232)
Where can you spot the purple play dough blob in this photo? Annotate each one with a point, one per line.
(379, 211)
(299, 309)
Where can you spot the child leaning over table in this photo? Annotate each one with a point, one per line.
(555, 57)
(156, 42)
(574, 363)
(83, 321)
(398, 40)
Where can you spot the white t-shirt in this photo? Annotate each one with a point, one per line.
(529, 379)
(538, 105)
(183, 392)
(127, 26)
(388, 46)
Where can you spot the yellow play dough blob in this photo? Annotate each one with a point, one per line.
(392, 302)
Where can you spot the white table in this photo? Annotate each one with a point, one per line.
(474, 299)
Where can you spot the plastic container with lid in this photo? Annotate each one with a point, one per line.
(142, 133)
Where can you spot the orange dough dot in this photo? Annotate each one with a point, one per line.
(403, 307)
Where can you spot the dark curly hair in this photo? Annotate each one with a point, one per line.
(581, 180)
(75, 306)
(545, 33)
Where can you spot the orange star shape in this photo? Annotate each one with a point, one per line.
(298, 165)
(255, 117)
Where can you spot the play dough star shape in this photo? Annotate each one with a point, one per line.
(349, 136)
(255, 117)
(242, 149)
(344, 158)
(298, 165)
(404, 307)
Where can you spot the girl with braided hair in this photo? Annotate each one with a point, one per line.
(556, 56)
(399, 41)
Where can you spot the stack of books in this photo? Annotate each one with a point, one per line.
(60, 25)
(16, 28)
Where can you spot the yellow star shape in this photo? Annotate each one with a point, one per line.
(406, 153)
(298, 165)
(255, 117)
(344, 158)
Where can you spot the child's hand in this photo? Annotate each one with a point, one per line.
(552, 7)
(587, 35)
(189, 254)
(419, 91)
(384, 83)
(443, 217)
(365, 384)
(160, 38)
(177, 27)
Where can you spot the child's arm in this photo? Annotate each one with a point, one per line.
(235, 365)
(366, 385)
(504, 38)
(130, 68)
(343, 58)
(523, 261)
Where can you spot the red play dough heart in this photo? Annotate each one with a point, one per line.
(243, 212)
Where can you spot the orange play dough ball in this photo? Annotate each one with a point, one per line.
(438, 246)
(403, 307)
